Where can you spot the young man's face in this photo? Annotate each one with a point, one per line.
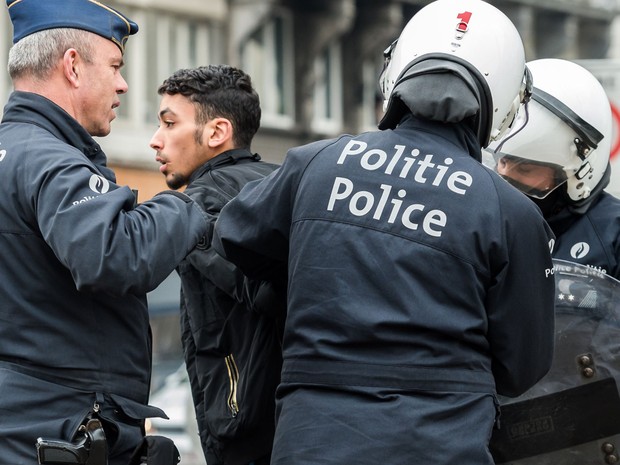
(180, 144)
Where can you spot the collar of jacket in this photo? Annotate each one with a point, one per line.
(31, 108)
(461, 134)
(230, 157)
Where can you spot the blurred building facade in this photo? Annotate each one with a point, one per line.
(315, 63)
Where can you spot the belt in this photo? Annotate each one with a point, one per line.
(405, 377)
(79, 379)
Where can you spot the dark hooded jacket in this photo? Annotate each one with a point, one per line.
(232, 345)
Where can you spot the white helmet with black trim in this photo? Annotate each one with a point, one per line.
(456, 60)
(567, 126)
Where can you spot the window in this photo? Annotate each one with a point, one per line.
(328, 91)
(6, 41)
(165, 44)
(372, 100)
(267, 56)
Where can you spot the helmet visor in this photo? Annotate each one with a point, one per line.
(533, 178)
(384, 85)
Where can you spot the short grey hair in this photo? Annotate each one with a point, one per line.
(37, 54)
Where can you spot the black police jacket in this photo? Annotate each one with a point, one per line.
(232, 350)
(419, 285)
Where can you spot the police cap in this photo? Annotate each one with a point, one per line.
(30, 16)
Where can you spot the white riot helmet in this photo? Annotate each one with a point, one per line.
(566, 126)
(467, 39)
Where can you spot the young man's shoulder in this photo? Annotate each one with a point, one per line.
(216, 187)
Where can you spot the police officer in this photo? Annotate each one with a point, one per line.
(419, 283)
(208, 117)
(558, 154)
(77, 257)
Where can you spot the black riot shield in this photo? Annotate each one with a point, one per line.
(572, 415)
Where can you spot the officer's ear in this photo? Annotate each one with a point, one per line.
(71, 64)
(219, 131)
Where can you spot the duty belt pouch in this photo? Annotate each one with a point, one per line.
(156, 450)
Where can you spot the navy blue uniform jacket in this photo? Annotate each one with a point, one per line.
(76, 261)
(592, 239)
(420, 286)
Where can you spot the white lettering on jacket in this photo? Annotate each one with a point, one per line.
(423, 170)
(362, 203)
(388, 203)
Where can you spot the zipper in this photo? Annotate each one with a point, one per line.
(233, 378)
